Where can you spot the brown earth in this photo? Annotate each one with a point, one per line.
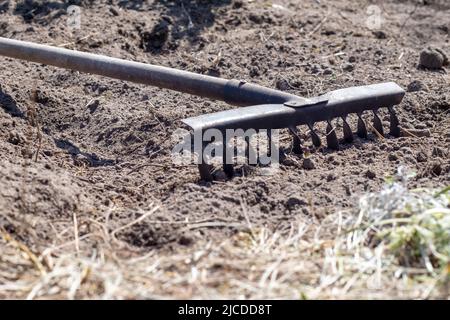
(95, 148)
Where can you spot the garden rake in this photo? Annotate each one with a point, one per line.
(260, 108)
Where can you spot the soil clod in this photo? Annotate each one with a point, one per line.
(157, 37)
(432, 58)
(370, 174)
(308, 164)
(421, 156)
(416, 85)
(105, 163)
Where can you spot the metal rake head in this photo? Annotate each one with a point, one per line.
(308, 111)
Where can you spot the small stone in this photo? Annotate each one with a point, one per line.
(379, 34)
(254, 71)
(185, 241)
(406, 150)
(237, 4)
(328, 32)
(379, 52)
(81, 160)
(315, 69)
(348, 67)
(256, 18)
(288, 161)
(306, 211)
(220, 175)
(392, 157)
(446, 60)
(93, 105)
(336, 162)
(432, 59)
(157, 37)
(308, 164)
(294, 201)
(370, 174)
(416, 85)
(113, 11)
(282, 84)
(348, 190)
(444, 28)
(43, 181)
(352, 59)
(16, 138)
(265, 208)
(421, 156)
(26, 152)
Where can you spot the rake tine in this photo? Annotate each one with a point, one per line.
(269, 141)
(348, 134)
(332, 139)
(248, 147)
(296, 141)
(394, 129)
(228, 167)
(377, 123)
(314, 137)
(205, 169)
(362, 129)
(307, 111)
(205, 172)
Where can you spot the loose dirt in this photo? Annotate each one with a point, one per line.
(99, 148)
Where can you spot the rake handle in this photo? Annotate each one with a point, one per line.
(231, 91)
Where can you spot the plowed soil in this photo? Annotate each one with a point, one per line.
(82, 144)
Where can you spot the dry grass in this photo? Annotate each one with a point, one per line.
(394, 243)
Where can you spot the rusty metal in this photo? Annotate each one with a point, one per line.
(261, 107)
(335, 104)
